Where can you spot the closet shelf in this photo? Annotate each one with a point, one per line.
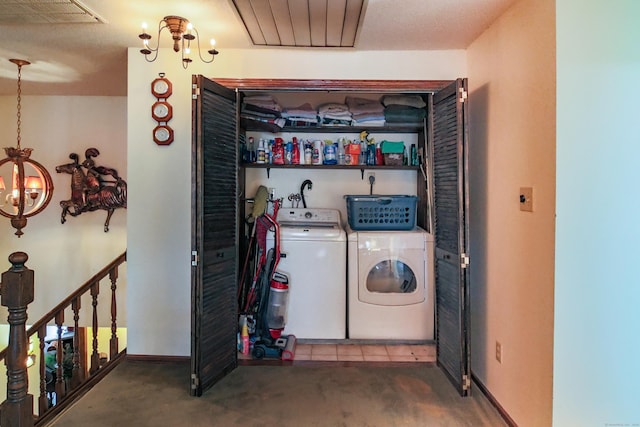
(361, 168)
(253, 125)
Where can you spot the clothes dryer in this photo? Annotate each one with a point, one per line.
(390, 285)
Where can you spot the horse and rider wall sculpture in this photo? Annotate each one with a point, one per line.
(91, 187)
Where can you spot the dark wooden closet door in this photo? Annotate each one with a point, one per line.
(215, 252)
(450, 175)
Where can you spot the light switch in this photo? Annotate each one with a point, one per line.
(526, 199)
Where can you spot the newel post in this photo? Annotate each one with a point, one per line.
(16, 291)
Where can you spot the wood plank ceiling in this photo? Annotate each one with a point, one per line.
(304, 23)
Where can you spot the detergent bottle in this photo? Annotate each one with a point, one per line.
(278, 152)
(329, 153)
(316, 156)
(308, 153)
(295, 155)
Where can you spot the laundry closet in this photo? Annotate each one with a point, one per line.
(225, 183)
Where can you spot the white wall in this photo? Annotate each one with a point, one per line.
(512, 145)
(159, 209)
(64, 256)
(597, 291)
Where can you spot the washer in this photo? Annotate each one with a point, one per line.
(390, 285)
(314, 254)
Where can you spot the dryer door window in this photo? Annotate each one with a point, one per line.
(387, 278)
(391, 276)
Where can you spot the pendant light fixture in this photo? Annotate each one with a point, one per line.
(183, 33)
(25, 185)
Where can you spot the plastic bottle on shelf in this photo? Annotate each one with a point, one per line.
(251, 157)
(371, 154)
(278, 152)
(267, 151)
(295, 155)
(308, 153)
(341, 159)
(260, 157)
(244, 336)
(270, 144)
(379, 156)
(301, 149)
(316, 156)
(362, 158)
(329, 157)
(288, 153)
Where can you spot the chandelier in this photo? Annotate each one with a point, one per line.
(182, 33)
(31, 186)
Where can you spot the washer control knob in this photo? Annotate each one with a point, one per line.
(308, 214)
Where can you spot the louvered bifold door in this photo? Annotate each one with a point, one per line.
(214, 241)
(451, 232)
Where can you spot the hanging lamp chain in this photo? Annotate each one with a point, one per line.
(18, 114)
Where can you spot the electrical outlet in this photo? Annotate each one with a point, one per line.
(498, 352)
(371, 177)
(526, 199)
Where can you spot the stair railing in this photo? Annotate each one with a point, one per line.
(70, 371)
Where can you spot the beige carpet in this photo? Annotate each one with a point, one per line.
(148, 394)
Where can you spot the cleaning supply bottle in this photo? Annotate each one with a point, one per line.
(267, 151)
(244, 336)
(329, 157)
(251, 158)
(341, 159)
(371, 154)
(295, 155)
(379, 156)
(288, 153)
(278, 152)
(308, 153)
(316, 156)
(261, 152)
(301, 150)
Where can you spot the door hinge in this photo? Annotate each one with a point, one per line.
(464, 260)
(463, 95)
(194, 381)
(194, 258)
(195, 91)
(466, 382)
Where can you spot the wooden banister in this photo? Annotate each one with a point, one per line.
(65, 368)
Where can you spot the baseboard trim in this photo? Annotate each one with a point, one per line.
(157, 359)
(505, 416)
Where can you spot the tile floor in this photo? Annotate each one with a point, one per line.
(350, 352)
(366, 352)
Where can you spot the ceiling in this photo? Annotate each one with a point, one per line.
(89, 56)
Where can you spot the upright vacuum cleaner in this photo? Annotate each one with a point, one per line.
(272, 289)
